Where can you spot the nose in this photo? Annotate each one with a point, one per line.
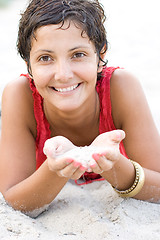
(63, 71)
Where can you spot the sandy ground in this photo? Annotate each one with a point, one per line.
(93, 211)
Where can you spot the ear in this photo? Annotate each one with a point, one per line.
(102, 60)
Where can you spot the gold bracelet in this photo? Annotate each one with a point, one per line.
(137, 185)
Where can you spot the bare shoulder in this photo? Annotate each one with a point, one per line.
(17, 88)
(123, 79)
(17, 101)
(126, 93)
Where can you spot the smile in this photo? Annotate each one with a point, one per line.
(68, 89)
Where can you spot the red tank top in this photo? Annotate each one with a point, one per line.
(106, 122)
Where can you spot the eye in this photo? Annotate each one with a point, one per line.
(78, 55)
(45, 58)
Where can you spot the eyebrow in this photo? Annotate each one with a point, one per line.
(81, 46)
(72, 49)
(44, 50)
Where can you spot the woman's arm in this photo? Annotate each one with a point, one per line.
(22, 186)
(131, 113)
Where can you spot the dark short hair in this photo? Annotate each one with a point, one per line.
(89, 14)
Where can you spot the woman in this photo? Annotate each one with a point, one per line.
(72, 99)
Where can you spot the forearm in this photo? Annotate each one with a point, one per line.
(122, 177)
(36, 191)
(151, 189)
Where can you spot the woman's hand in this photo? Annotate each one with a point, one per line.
(107, 145)
(64, 167)
(106, 159)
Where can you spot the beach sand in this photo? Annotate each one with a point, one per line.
(93, 211)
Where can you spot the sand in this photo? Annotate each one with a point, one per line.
(93, 211)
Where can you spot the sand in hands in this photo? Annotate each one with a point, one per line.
(82, 155)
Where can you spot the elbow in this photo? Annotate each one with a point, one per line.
(14, 201)
(18, 204)
(11, 200)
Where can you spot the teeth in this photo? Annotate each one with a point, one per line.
(66, 89)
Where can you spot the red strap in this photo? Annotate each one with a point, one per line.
(89, 178)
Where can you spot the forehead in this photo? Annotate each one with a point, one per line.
(62, 32)
(61, 27)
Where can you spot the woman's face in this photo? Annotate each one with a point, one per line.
(64, 66)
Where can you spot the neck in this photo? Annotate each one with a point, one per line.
(80, 122)
(88, 113)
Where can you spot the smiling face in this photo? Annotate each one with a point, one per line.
(64, 66)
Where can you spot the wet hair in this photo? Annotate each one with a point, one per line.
(88, 14)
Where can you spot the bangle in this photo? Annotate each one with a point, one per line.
(137, 185)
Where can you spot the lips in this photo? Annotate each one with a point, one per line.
(68, 89)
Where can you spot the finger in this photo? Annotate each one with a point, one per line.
(109, 138)
(102, 162)
(69, 169)
(53, 146)
(73, 171)
(117, 135)
(96, 168)
(78, 173)
(57, 146)
(58, 164)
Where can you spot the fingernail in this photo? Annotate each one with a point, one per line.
(96, 156)
(82, 168)
(93, 165)
(69, 160)
(76, 164)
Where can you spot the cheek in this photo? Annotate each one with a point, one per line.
(88, 72)
(91, 74)
(41, 76)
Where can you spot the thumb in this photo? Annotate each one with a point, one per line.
(56, 146)
(117, 135)
(51, 146)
